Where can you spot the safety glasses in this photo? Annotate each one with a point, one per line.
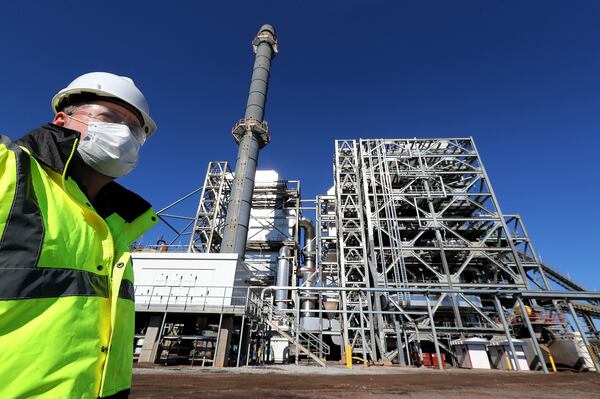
(103, 113)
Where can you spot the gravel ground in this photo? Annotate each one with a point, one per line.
(299, 382)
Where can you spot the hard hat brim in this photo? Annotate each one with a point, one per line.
(65, 93)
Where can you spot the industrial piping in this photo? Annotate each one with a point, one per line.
(283, 277)
(252, 134)
(308, 300)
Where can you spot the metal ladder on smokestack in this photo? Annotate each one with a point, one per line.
(285, 325)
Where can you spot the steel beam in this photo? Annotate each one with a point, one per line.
(513, 352)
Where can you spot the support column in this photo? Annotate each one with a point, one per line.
(223, 342)
(150, 346)
(237, 363)
(434, 334)
(407, 346)
(583, 336)
(507, 332)
(534, 341)
(248, 347)
(401, 361)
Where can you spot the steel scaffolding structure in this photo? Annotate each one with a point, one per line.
(359, 328)
(275, 209)
(421, 213)
(210, 218)
(412, 256)
(195, 321)
(328, 268)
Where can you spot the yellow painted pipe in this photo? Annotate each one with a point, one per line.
(348, 356)
(552, 362)
(508, 362)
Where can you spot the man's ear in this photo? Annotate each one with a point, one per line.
(60, 119)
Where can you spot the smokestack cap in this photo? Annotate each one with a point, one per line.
(267, 27)
(266, 34)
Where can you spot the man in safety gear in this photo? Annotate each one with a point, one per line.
(66, 279)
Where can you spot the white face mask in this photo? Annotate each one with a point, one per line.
(109, 148)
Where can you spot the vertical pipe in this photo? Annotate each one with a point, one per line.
(585, 340)
(308, 270)
(252, 135)
(237, 363)
(507, 332)
(248, 354)
(268, 350)
(283, 277)
(297, 332)
(362, 331)
(536, 345)
(434, 333)
(320, 301)
(348, 353)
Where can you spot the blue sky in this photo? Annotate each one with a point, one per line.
(522, 78)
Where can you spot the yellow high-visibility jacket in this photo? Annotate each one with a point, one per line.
(66, 279)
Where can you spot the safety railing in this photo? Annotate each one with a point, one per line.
(310, 341)
(543, 317)
(203, 299)
(171, 248)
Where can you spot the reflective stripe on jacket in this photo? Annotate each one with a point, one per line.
(66, 279)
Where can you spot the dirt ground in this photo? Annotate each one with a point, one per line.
(310, 382)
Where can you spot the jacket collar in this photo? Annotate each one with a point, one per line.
(52, 145)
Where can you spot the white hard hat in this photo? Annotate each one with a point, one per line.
(107, 85)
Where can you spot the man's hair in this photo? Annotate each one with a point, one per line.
(71, 109)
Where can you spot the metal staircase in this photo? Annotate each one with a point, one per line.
(306, 342)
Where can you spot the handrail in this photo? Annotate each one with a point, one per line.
(306, 338)
(206, 298)
(467, 291)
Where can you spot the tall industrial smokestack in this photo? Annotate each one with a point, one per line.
(252, 134)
